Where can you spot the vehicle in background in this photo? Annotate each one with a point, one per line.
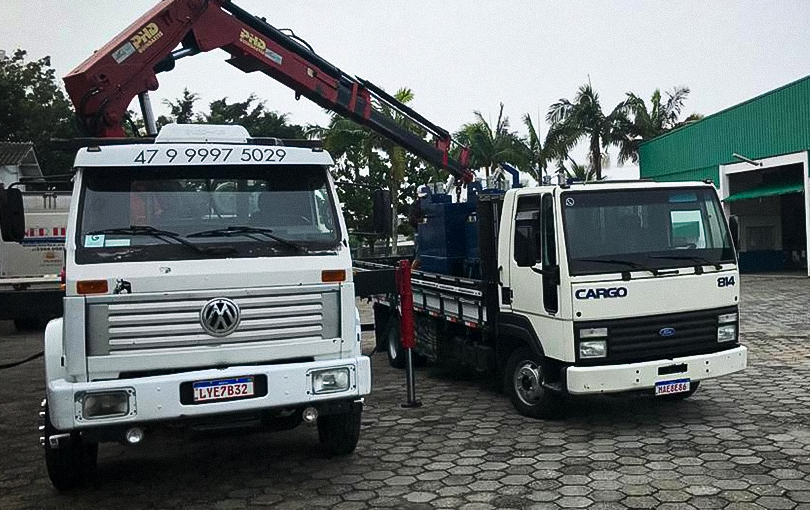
(31, 248)
(576, 289)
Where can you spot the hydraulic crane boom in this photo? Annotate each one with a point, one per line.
(103, 86)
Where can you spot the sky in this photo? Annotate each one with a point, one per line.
(461, 56)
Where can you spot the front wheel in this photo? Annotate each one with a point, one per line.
(68, 465)
(339, 433)
(523, 382)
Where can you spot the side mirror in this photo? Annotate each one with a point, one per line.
(734, 227)
(381, 212)
(12, 215)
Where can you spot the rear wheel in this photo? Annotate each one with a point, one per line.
(69, 465)
(339, 433)
(523, 382)
(395, 350)
(28, 324)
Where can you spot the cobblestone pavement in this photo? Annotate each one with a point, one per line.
(740, 442)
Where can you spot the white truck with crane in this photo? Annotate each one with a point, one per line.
(208, 274)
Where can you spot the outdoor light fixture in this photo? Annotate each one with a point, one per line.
(747, 160)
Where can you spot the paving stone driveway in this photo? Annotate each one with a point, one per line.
(740, 442)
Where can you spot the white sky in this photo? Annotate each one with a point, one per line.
(459, 56)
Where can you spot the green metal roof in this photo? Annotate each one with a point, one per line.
(767, 190)
(775, 123)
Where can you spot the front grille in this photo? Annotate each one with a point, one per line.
(154, 321)
(637, 339)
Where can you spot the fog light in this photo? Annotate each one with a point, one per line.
(134, 435)
(727, 333)
(105, 405)
(593, 349)
(330, 380)
(310, 414)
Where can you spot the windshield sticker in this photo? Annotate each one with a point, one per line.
(94, 241)
(569, 202)
(117, 243)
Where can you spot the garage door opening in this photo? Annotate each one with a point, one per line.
(770, 206)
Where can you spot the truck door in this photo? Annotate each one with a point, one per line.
(534, 271)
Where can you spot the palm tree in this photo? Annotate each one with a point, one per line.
(539, 153)
(584, 118)
(654, 121)
(492, 145)
(577, 172)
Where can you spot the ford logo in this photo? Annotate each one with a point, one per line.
(666, 332)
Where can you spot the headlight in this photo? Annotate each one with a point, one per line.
(593, 332)
(726, 318)
(330, 380)
(593, 349)
(108, 404)
(727, 333)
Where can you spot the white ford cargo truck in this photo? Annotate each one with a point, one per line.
(583, 289)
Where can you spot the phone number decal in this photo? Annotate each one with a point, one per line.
(213, 155)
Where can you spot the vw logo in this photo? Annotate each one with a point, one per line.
(665, 332)
(220, 317)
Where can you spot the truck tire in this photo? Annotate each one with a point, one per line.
(523, 379)
(69, 466)
(28, 324)
(339, 433)
(395, 350)
(681, 396)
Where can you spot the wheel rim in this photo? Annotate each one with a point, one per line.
(527, 382)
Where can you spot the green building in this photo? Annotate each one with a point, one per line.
(756, 153)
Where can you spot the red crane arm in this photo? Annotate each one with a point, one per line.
(103, 86)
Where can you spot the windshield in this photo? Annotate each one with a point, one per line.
(623, 230)
(175, 213)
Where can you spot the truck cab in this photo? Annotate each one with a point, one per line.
(208, 279)
(625, 286)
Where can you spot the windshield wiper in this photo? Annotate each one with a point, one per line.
(695, 258)
(248, 231)
(628, 263)
(146, 230)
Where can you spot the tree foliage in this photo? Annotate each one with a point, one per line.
(369, 159)
(33, 108)
(491, 145)
(654, 120)
(571, 121)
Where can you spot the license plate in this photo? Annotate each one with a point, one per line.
(670, 387)
(223, 389)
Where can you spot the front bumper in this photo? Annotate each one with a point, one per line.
(158, 398)
(640, 376)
